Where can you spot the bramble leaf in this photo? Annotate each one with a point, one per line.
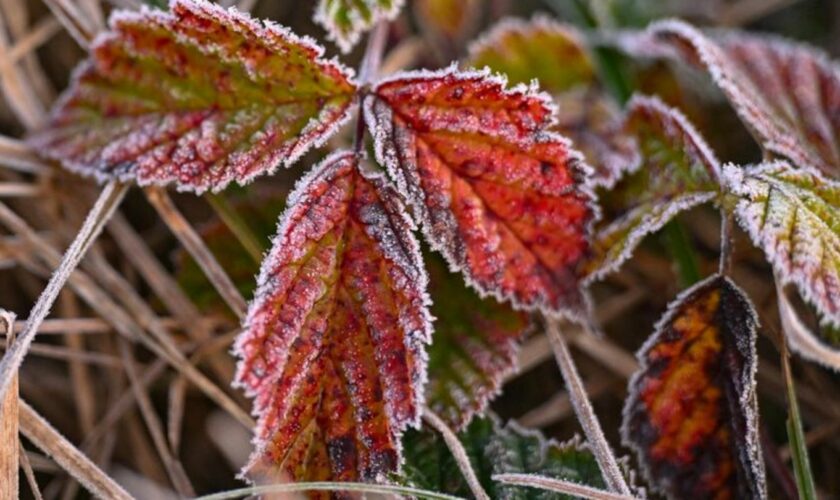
(794, 216)
(554, 54)
(496, 449)
(788, 94)
(692, 412)
(543, 49)
(473, 348)
(448, 21)
(333, 345)
(199, 96)
(504, 200)
(678, 171)
(346, 20)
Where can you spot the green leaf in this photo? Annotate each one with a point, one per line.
(496, 449)
(792, 214)
(678, 171)
(473, 348)
(542, 49)
(346, 20)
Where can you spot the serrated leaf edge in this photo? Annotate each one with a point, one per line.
(583, 174)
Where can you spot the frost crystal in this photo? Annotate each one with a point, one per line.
(199, 96)
(504, 199)
(333, 348)
(692, 412)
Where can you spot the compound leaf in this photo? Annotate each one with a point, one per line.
(678, 171)
(333, 345)
(504, 200)
(346, 20)
(496, 449)
(554, 54)
(691, 415)
(473, 349)
(792, 214)
(788, 94)
(199, 96)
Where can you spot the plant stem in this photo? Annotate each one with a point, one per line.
(583, 408)
(382, 489)
(726, 241)
(192, 242)
(458, 452)
(799, 451)
(559, 486)
(678, 245)
(237, 225)
(102, 210)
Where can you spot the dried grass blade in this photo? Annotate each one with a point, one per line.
(45, 437)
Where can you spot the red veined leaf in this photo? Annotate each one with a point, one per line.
(473, 349)
(346, 20)
(678, 171)
(691, 415)
(793, 214)
(333, 345)
(555, 54)
(788, 94)
(199, 96)
(504, 200)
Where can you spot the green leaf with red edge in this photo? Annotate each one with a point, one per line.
(333, 345)
(692, 412)
(788, 94)
(346, 20)
(793, 215)
(555, 54)
(506, 201)
(473, 349)
(678, 172)
(199, 96)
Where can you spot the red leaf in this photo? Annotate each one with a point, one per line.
(788, 94)
(333, 349)
(502, 198)
(199, 96)
(692, 412)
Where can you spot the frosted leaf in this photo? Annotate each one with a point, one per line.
(802, 340)
(333, 347)
(473, 349)
(555, 55)
(692, 414)
(678, 171)
(787, 93)
(448, 22)
(792, 214)
(199, 96)
(496, 449)
(505, 200)
(346, 20)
